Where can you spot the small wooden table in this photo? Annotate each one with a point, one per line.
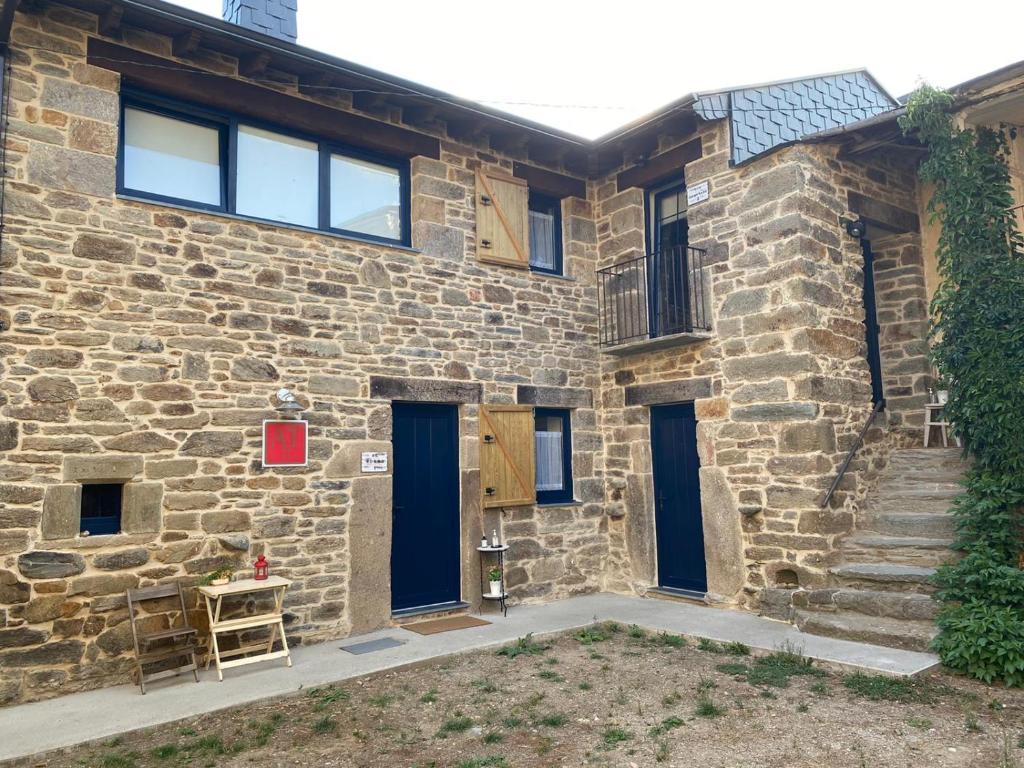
(275, 620)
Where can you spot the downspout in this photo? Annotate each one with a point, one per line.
(6, 22)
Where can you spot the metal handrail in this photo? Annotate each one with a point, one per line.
(852, 452)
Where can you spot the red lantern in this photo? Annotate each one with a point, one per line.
(261, 569)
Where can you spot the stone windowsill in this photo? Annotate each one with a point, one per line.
(659, 342)
(555, 504)
(99, 540)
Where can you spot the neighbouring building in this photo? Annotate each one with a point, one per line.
(642, 359)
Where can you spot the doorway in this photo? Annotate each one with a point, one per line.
(669, 277)
(678, 520)
(425, 533)
(871, 327)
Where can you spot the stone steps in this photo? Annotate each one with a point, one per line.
(880, 592)
(911, 635)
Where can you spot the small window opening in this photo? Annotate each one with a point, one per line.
(787, 578)
(101, 508)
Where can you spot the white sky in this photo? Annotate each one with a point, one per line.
(629, 58)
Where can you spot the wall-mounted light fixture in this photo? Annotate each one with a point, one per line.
(289, 407)
(855, 228)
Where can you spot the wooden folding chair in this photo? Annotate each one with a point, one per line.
(183, 639)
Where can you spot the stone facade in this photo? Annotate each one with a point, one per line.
(143, 345)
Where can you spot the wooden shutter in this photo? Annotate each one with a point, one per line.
(507, 467)
(502, 220)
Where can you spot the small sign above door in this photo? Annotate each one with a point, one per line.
(375, 461)
(698, 193)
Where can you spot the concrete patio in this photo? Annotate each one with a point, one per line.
(41, 726)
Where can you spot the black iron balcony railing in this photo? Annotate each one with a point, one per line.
(660, 294)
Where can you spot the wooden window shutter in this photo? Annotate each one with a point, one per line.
(502, 220)
(507, 467)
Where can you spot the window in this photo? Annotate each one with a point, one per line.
(173, 159)
(277, 177)
(101, 509)
(545, 215)
(553, 442)
(177, 153)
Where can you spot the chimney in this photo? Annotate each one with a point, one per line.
(276, 18)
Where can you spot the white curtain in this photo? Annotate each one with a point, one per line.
(549, 461)
(542, 240)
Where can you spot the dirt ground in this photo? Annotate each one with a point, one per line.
(610, 695)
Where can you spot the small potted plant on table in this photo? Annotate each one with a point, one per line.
(217, 578)
(494, 576)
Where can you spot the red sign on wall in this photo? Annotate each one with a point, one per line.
(285, 443)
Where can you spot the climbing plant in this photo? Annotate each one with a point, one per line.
(977, 341)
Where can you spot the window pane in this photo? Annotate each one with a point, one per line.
(548, 438)
(277, 177)
(542, 240)
(366, 197)
(173, 158)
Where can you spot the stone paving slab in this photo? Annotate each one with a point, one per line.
(37, 727)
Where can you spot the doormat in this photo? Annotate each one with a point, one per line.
(369, 646)
(445, 625)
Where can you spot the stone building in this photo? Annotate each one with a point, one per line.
(642, 359)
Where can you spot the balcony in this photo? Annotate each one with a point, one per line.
(654, 301)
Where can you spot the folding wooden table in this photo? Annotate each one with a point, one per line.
(214, 597)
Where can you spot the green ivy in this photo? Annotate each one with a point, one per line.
(977, 340)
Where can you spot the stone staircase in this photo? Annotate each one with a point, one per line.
(879, 593)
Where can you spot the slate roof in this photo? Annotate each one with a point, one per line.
(763, 117)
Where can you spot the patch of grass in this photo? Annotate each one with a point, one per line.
(585, 686)
(662, 751)
(898, 689)
(803, 707)
(550, 674)
(593, 634)
(492, 761)
(972, 725)
(493, 737)
(733, 669)
(187, 732)
(671, 641)
(706, 707)
(486, 686)
(116, 760)
(777, 668)
(429, 697)
(708, 645)
(766, 694)
(554, 720)
(922, 723)
(117, 741)
(383, 701)
(736, 648)
(325, 724)
(636, 632)
(535, 698)
(210, 745)
(615, 736)
(326, 696)
(512, 722)
(524, 646)
(457, 724)
(664, 727)
(705, 684)
(671, 699)
(544, 745)
(819, 688)
(165, 751)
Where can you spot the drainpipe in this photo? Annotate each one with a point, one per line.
(6, 22)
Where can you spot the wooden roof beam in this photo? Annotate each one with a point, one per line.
(187, 43)
(110, 20)
(253, 65)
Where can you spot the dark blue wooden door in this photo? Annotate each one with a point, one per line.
(425, 518)
(678, 519)
(871, 327)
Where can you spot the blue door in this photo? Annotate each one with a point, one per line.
(678, 520)
(871, 327)
(425, 516)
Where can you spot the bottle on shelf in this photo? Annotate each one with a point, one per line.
(495, 543)
(483, 542)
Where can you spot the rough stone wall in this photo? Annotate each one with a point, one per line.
(782, 387)
(145, 344)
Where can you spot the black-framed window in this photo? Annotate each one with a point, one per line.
(545, 216)
(101, 508)
(553, 441)
(182, 154)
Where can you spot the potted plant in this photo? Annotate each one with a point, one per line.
(217, 578)
(941, 391)
(494, 575)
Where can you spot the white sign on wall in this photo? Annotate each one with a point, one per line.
(375, 461)
(698, 193)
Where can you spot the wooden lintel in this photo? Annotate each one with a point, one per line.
(316, 84)
(170, 78)
(660, 166)
(185, 44)
(509, 141)
(253, 64)
(884, 215)
(110, 20)
(550, 182)
(419, 113)
(466, 130)
(369, 101)
(546, 152)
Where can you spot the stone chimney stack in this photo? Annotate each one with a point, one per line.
(276, 18)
